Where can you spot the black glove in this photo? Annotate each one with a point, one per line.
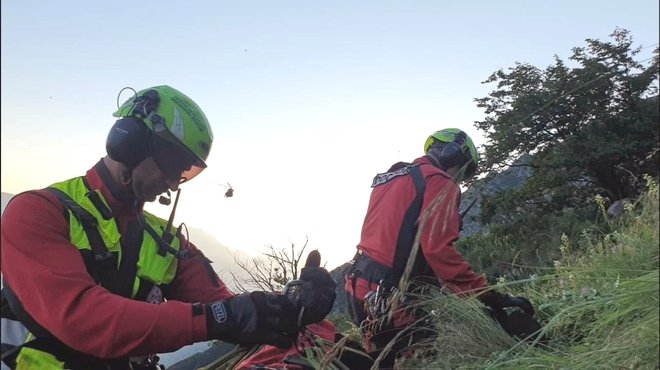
(316, 295)
(518, 324)
(522, 303)
(498, 301)
(253, 318)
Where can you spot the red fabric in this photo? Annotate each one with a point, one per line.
(273, 357)
(439, 223)
(48, 275)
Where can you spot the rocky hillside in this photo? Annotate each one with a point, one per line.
(338, 275)
(512, 177)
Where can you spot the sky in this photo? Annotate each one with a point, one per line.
(308, 100)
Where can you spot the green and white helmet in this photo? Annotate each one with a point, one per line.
(176, 121)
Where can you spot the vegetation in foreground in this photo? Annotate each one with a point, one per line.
(599, 306)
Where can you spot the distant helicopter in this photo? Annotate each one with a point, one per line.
(230, 192)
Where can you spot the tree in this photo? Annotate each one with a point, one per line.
(270, 271)
(593, 127)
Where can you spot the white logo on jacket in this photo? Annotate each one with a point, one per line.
(382, 178)
(219, 312)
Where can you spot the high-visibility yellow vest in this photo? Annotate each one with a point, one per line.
(156, 263)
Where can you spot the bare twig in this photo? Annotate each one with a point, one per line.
(272, 270)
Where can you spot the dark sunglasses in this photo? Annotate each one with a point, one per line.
(174, 160)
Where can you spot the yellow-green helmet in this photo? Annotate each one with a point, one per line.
(174, 119)
(460, 149)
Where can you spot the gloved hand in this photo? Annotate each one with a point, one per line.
(520, 325)
(253, 318)
(316, 295)
(522, 303)
(498, 301)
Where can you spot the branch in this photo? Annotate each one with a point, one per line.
(272, 272)
(297, 259)
(238, 283)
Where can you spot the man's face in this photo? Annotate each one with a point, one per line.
(148, 181)
(166, 168)
(174, 161)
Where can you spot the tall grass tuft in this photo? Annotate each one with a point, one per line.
(599, 305)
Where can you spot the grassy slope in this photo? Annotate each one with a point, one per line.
(599, 305)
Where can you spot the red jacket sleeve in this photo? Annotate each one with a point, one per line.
(195, 280)
(273, 357)
(439, 223)
(48, 275)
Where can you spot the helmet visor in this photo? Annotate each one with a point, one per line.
(173, 159)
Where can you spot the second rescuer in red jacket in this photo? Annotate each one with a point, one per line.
(408, 197)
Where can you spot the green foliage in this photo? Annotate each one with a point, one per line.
(345, 325)
(217, 349)
(599, 304)
(593, 128)
(524, 245)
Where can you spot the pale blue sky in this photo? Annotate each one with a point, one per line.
(308, 100)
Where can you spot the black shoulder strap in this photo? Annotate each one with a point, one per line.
(89, 223)
(102, 265)
(163, 246)
(94, 197)
(409, 225)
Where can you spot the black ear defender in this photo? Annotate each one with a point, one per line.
(455, 153)
(129, 139)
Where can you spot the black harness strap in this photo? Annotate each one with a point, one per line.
(94, 197)
(409, 227)
(365, 267)
(89, 223)
(131, 245)
(371, 270)
(102, 265)
(163, 246)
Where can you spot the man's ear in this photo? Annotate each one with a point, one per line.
(313, 259)
(119, 172)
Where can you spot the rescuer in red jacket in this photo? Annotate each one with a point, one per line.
(91, 280)
(422, 195)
